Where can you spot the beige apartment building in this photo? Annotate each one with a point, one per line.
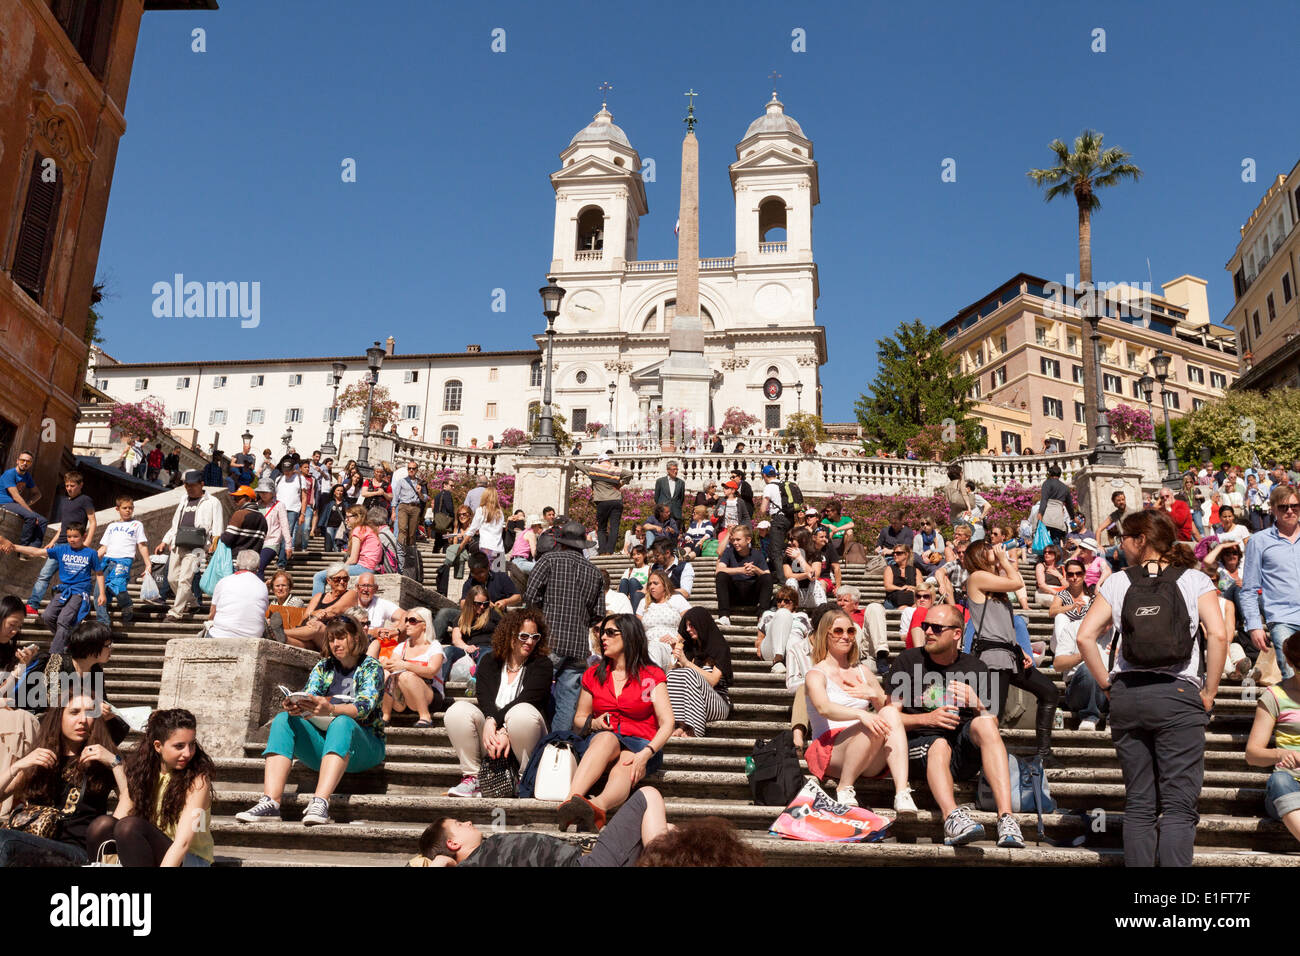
(1266, 313)
(1024, 343)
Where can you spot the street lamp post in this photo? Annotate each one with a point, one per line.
(798, 393)
(544, 444)
(1147, 384)
(612, 388)
(1160, 363)
(1104, 451)
(374, 359)
(287, 438)
(329, 450)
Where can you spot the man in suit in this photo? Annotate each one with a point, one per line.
(671, 491)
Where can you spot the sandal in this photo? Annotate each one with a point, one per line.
(424, 723)
(581, 811)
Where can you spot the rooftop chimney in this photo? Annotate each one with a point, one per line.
(388, 345)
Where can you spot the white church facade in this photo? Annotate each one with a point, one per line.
(757, 310)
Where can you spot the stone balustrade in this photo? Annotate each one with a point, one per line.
(816, 475)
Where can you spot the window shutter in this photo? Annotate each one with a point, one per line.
(36, 235)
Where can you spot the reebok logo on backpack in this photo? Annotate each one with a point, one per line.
(1155, 625)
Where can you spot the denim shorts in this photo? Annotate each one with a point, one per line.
(1282, 796)
(636, 745)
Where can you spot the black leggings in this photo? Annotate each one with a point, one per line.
(139, 842)
(1042, 687)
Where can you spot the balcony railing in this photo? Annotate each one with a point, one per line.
(670, 265)
(589, 255)
(764, 247)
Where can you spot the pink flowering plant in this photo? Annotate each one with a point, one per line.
(737, 420)
(143, 420)
(512, 437)
(1130, 424)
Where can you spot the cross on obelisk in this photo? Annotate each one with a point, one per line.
(690, 109)
(774, 76)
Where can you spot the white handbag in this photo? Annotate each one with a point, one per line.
(555, 771)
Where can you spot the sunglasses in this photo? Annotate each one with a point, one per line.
(785, 601)
(922, 594)
(482, 603)
(611, 632)
(526, 638)
(414, 620)
(1074, 574)
(900, 552)
(930, 627)
(1289, 508)
(338, 577)
(840, 631)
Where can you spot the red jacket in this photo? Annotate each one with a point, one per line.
(1182, 517)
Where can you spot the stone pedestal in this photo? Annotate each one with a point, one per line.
(1094, 484)
(542, 482)
(230, 685)
(407, 593)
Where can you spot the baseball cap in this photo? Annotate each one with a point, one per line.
(243, 491)
(769, 471)
(764, 524)
(812, 511)
(731, 484)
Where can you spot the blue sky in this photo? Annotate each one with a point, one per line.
(230, 167)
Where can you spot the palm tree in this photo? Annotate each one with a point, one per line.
(1082, 172)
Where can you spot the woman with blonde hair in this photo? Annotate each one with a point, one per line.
(322, 608)
(413, 671)
(855, 729)
(365, 550)
(471, 634)
(489, 523)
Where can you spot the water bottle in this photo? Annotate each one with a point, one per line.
(1058, 721)
(471, 685)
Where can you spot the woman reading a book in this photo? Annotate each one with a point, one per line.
(333, 725)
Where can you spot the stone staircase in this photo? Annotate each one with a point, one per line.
(380, 814)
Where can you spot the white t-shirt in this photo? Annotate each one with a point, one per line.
(121, 539)
(379, 610)
(427, 653)
(241, 601)
(288, 491)
(1238, 533)
(616, 602)
(772, 492)
(1191, 584)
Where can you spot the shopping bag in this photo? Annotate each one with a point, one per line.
(149, 589)
(814, 817)
(219, 567)
(1042, 538)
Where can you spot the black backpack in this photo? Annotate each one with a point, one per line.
(791, 500)
(1155, 625)
(775, 777)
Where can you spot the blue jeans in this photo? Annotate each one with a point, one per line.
(1278, 633)
(632, 588)
(1282, 796)
(43, 582)
(331, 545)
(292, 518)
(318, 579)
(304, 526)
(33, 524)
(568, 687)
(23, 849)
(1082, 696)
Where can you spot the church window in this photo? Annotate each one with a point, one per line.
(591, 229)
(582, 378)
(534, 413)
(772, 417)
(618, 160)
(535, 373)
(771, 220)
(773, 372)
(579, 423)
(451, 395)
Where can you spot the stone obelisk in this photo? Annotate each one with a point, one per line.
(686, 375)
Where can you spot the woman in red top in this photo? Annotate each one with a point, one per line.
(632, 719)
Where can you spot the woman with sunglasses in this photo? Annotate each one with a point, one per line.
(322, 608)
(1000, 638)
(802, 569)
(928, 547)
(472, 633)
(911, 618)
(457, 538)
(413, 671)
(1048, 578)
(513, 687)
(855, 730)
(1158, 714)
(902, 578)
(777, 627)
(626, 697)
(332, 516)
(337, 729)
(1069, 605)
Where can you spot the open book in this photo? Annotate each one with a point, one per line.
(322, 722)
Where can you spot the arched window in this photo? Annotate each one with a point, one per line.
(534, 413)
(535, 374)
(451, 395)
(450, 435)
(651, 323)
(591, 229)
(773, 372)
(771, 220)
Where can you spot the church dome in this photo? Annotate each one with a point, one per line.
(774, 120)
(601, 130)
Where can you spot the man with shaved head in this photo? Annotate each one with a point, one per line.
(377, 609)
(947, 699)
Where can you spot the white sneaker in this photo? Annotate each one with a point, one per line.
(847, 796)
(468, 787)
(904, 805)
(318, 811)
(724, 622)
(778, 668)
(1087, 724)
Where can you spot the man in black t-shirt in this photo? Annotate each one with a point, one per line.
(949, 712)
(741, 574)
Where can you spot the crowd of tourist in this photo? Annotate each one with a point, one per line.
(549, 646)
